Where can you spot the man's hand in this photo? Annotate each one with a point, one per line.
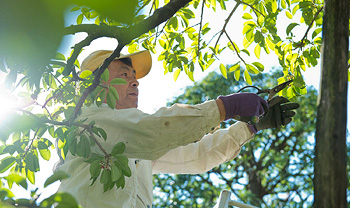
(280, 113)
(245, 107)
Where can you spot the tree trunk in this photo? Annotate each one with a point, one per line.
(330, 180)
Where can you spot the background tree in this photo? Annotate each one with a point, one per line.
(178, 30)
(330, 164)
(274, 169)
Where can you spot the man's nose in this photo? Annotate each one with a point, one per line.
(134, 83)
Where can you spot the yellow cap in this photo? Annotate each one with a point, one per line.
(141, 61)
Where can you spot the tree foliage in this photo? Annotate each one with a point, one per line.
(52, 92)
(274, 169)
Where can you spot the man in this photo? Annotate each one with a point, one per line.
(172, 140)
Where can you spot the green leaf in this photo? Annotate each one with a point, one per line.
(58, 175)
(258, 37)
(105, 176)
(111, 101)
(247, 16)
(316, 32)
(122, 162)
(116, 173)
(291, 27)
(117, 10)
(247, 77)
(289, 15)
(163, 44)
(257, 51)
(85, 74)
(121, 182)
(118, 81)
(119, 148)
(270, 43)
(32, 162)
(259, 66)
(75, 9)
(105, 75)
(114, 92)
(72, 142)
(251, 69)
(223, 71)
(237, 74)
(101, 97)
(83, 146)
(283, 4)
(222, 4)
(7, 163)
(45, 154)
(234, 68)
(176, 74)
(18, 179)
(61, 200)
(30, 176)
(95, 168)
(233, 46)
(80, 19)
(298, 80)
(248, 39)
(246, 51)
(102, 133)
(60, 56)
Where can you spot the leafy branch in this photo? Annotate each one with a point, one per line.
(310, 26)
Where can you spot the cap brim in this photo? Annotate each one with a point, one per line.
(141, 61)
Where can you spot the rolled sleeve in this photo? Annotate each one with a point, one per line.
(200, 157)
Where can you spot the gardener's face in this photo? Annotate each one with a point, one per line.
(128, 93)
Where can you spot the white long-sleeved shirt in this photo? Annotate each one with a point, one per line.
(163, 142)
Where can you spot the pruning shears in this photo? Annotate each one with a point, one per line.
(271, 92)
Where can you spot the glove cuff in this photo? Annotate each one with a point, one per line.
(228, 108)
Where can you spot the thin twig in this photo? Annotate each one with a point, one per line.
(310, 25)
(28, 147)
(254, 9)
(233, 45)
(48, 112)
(89, 129)
(226, 21)
(200, 28)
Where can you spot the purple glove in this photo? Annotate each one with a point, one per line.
(245, 107)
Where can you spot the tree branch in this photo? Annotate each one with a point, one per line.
(77, 48)
(226, 21)
(200, 28)
(310, 25)
(159, 16)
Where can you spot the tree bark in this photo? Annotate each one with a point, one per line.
(330, 182)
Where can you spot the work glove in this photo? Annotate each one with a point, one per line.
(280, 113)
(247, 107)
